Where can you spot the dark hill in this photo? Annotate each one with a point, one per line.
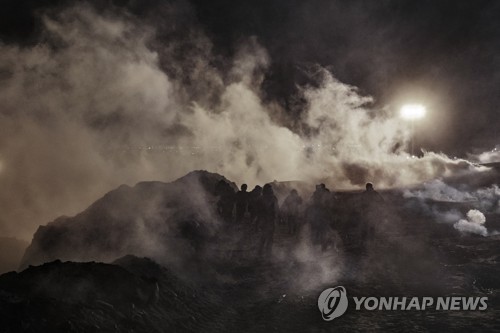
(145, 220)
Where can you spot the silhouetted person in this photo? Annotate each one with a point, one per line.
(290, 210)
(372, 211)
(266, 217)
(241, 203)
(321, 194)
(253, 199)
(226, 200)
(371, 196)
(318, 215)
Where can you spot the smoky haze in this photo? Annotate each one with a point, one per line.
(105, 98)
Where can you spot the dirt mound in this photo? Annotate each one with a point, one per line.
(131, 295)
(145, 220)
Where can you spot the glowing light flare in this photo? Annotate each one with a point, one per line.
(413, 111)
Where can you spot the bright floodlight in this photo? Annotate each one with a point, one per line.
(412, 111)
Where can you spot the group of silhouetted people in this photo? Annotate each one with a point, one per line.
(259, 209)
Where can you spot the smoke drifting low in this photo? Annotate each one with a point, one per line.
(491, 156)
(473, 224)
(484, 200)
(104, 99)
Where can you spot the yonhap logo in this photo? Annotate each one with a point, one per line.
(332, 303)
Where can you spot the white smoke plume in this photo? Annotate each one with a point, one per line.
(474, 223)
(491, 156)
(440, 191)
(483, 199)
(104, 99)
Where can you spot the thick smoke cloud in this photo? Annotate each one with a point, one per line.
(486, 199)
(474, 223)
(436, 192)
(105, 99)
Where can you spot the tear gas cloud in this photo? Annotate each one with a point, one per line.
(484, 200)
(491, 156)
(473, 224)
(104, 99)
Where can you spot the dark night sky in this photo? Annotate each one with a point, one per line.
(445, 54)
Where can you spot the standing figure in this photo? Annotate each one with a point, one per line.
(319, 216)
(253, 203)
(290, 210)
(241, 203)
(372, 211)
(266, 218)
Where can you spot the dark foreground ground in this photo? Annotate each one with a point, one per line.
(241, 293)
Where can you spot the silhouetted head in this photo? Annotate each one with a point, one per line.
(257, 189)
(267, 190)
(244, 187)
(294, 192)
(322, 186)
(369, 186)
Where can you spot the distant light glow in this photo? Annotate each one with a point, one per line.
(413, 111)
